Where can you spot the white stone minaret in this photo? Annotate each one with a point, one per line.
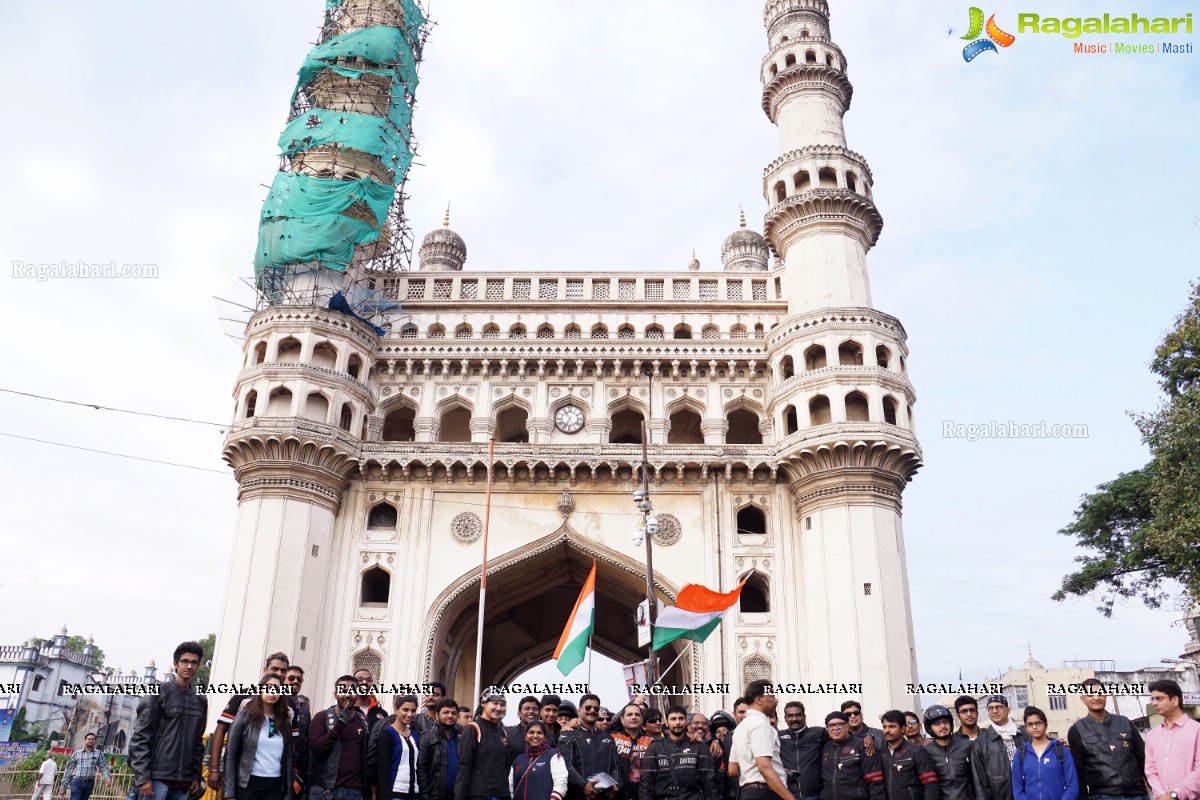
(840, 393)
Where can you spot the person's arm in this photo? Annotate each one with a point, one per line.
(873, 776)
(1137, 744)
(771, 777)
(1070, 780)
(141, 743)
(198, 747)
(558, 774)
(321, 737)
(704, 764)
(1157, 789)
(649, 772)
(382, 779)
(927, 774)
(1189, 787)
(1018, 775)
(233, 753)
(978, 774)
(1075, 745)
(425, 765)
(69, 770)
(614, 765)
(466, 760)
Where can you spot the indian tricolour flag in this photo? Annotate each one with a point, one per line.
(573, 644)
(697, 613)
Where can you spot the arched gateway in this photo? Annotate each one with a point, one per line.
(531, 592)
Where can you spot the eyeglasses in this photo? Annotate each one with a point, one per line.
(833, 726)
(971, 710)
(853, 713)
(589, 708)
(188, 662)
(606, 719)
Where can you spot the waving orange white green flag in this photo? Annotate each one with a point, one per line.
(697, 613)
(573, 644)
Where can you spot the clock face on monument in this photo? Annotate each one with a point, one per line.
(569, 419)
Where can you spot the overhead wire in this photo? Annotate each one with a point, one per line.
(98, 407)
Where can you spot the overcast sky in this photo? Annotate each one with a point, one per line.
(1039, 238)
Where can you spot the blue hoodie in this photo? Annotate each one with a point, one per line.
(1044, 778)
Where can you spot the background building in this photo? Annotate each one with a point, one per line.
(773, 395)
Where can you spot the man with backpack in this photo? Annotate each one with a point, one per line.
(337, 740)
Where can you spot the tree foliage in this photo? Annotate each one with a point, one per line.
(76, 644)
(1143, 528)
(209, 644)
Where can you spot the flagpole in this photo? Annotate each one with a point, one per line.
(487, 519)
(673, 663)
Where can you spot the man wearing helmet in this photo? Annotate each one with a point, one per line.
(951, 755)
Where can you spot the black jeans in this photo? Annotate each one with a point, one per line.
(259, 788)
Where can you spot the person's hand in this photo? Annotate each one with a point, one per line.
(146, 789)
(714, 749)
(589, 789)
(214, 779)
(869, 745)
(192, 789)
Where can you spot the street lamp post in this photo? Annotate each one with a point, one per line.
(649, 527)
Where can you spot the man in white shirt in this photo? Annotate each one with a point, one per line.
(44, 788)
(754, 753)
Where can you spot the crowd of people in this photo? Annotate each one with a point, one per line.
(272, 745)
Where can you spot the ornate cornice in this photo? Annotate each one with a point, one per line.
(843, 375)
(310, 317)
(837, 319)
(804, 78)
(291, 457)
(888, 450)
(823, 208)
(323, 375)
(827, 150)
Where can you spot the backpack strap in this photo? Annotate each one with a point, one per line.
(478, 732)
(1058, 750)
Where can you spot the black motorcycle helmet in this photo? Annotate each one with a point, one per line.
(933, 714)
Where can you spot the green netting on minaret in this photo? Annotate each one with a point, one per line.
(321, 220)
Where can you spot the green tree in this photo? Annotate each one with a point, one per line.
(209, 643)
(1143, 528)
(76, 644)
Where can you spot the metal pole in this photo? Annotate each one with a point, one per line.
(651, 604)
(487, 519)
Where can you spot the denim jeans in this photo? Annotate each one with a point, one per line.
(341, 793)
(160, 791)
(81, 788)
(1119, 797)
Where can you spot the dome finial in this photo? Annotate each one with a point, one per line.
(446, 216)
(742, 215)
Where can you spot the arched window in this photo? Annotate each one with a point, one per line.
(316, 407)
(756, 595)
(850, 353)
(851, 182)
(814, 358)
(354, 367)
(685, 428)
(398, 426)
(279, 403)
(437, 332)
(857, 407)
(758, 330)
(491, 331)
(324, 355)
(791, 420)
(383, 516)
(780, 192)
(789, 60)
(819, 411)
(810, 57)
(599, 331)
(368, 660)
(623, 332)
(802, 181)
(654, 332)
(572, 331)
(737, 332)
(455, 425)
(517, 332)
(251, 402)
(408, 331)
(683, 332)
(743, 428)
(346, 417)
(889, 410)
(787, 367)
(376, 588)
(511, 425)
(626, 427)
(289, 351)
(710, 332)
(827, 178)
(756, 668)
(260, 352)
(463, 331)
(545, 331)
(751, 521)
(829, 60)
(774, 70)
(883, 356)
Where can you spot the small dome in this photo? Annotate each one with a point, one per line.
(694, 264)
(442, 248)
(745, 250)
(1031, 662)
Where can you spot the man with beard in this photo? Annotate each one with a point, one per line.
(588, 751)
(908, 772)
(993, 751)
(549, 714)
(631, 748)
(437, 761)
(428, 719)
(800, 750)
(527, 712)
(676, 768)
(967, 711)
(847, 772)
(951, 755)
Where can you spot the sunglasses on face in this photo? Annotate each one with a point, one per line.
(589, 708)
(853, 713)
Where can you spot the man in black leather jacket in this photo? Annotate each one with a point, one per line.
(1109, 753)
(436, 748)
(675, 767)
(993, 751)
(847, 772)
(951, 755)
(800, 751)
(167, 747)
(908, 772)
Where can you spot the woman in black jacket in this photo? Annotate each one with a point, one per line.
(260, 755)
